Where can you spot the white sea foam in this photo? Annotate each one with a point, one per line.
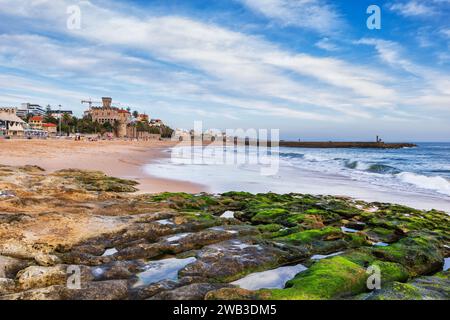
(437, 183)
(315, 157)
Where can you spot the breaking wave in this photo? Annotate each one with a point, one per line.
(436, 183)
(351, 164)
(382, 168)
(372, 168)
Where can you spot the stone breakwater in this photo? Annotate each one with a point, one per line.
(360, 145)
(194, 246)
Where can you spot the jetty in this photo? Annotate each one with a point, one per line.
(331, 144)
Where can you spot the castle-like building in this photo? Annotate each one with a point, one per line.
(108, 113)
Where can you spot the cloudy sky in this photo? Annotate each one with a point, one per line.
(308, 67)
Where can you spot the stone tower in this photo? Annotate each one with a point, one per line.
(107, 102)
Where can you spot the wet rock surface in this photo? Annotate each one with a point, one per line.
(82, 235)
(435, 287)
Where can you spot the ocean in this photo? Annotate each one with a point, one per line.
(419, 176)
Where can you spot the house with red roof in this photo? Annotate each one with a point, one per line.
(36, 122)
(50, 128)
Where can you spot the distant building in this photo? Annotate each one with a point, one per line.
(156, 123)
(181, 135)
(143, 118)
(36, 122)
(60, 113)
(30, 109)
(10, 123)
(50, 128)
(111, 114)
(134, 133)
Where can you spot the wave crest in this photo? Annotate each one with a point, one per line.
(382, 168)
(436, 183)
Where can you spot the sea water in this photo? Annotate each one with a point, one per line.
(418, 176)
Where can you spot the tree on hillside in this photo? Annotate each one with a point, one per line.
(135, 114)
(66, 118)
(166, 132)
(107, 127)
(49, 119)
(116, 127)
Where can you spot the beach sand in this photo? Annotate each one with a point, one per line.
(122, 159)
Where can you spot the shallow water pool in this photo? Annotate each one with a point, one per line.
(270, 279)
(166, 269)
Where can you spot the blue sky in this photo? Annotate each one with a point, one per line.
(310, 68)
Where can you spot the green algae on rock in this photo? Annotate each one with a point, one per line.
(435, 287)
(98, 181)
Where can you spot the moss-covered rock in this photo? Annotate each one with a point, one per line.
(186, 202)
(420, 253)
(269, 228)
(98, 181)
(327, 279)
(435, 287)
(269, 215)
(307, 236)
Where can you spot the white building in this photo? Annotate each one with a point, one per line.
(10, 123)
(60, 113)
(28, 108)
(181, 135)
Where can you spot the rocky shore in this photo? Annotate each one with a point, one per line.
(83, 228)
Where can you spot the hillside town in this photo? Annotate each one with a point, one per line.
(102, 120)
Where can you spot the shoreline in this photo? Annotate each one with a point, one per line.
(121, 159)
(319, 184)
(220, 179)
(130, 160)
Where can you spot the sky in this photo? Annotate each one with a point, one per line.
(311, 68)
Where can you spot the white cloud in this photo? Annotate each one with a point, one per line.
(430, 90)
(203, 66)
(446, 32)
(326, 44)
(311, 14)
(412, 8)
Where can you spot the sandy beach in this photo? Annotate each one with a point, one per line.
(122, 159)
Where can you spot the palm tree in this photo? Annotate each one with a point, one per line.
(66, 118)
